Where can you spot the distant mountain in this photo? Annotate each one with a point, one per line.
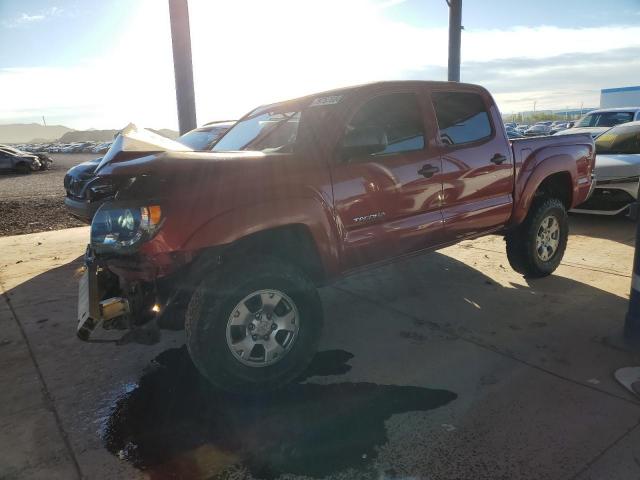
(25, 132)
(88, 136)
(35, 133)
(106, 135)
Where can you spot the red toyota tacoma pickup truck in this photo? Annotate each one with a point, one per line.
(232, 243)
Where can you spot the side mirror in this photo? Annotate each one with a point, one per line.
(363, 141)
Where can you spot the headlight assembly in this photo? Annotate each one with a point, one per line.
(124, 228)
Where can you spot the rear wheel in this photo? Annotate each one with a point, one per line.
(254, 325)
(536, 247)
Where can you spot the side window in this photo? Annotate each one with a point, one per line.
(462, 117)
(386, 124)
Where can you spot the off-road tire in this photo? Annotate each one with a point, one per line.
(213, 302)
(521, 242)
(23, 168)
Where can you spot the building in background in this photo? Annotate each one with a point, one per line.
(620, 97)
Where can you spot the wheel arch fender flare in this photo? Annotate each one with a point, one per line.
(536, 170)
(233, 226)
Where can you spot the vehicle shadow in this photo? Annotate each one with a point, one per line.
(171, 423)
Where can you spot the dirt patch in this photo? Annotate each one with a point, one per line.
(34, 215)
(35, 203)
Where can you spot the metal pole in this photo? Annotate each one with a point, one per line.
(181, 41)
(632, 320)
(455, 29)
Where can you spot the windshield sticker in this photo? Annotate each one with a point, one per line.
(331, 100)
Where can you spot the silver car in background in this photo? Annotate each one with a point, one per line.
(617, 171)
(599, 121)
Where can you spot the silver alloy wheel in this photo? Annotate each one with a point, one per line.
(262, 328)
(548, 238)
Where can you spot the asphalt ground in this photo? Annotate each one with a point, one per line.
(446, 366)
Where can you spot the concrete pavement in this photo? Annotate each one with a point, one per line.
(450, 365)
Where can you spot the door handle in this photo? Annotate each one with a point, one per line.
(498, 159)
(428, 170)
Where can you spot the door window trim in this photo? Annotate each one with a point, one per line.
(421, 108)
(474, 143)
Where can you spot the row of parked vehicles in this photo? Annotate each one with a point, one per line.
(76, 147)
(517, 130)
(595, 122)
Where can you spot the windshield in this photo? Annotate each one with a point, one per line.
(621, 139)
(202, 139)
(605, 119)
(266, 132)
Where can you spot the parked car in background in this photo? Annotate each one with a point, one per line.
(85, 195)
(101, 147)
(513, 133)
(45, 160)
(522, 127)
(599, 121)
(232, 243)
(205, 137)
(17, 161)
(537, 130)
(558, 127)
(617, 171)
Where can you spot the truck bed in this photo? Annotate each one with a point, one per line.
(530, 156)
(523, 147)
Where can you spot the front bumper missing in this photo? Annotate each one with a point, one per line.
(93, 309)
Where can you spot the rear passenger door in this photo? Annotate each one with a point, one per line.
(477, 165)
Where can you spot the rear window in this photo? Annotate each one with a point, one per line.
(462, 117)
(620, 139)
(605, 119)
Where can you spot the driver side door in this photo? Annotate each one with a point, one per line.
(387, 192)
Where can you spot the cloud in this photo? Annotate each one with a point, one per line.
(555, 82)
(288, 48)
(26, 19)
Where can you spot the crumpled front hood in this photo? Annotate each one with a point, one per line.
(614, 166)
(135, 142)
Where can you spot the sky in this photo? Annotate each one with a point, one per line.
(105, 63)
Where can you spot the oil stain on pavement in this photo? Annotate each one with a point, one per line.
(175, 425)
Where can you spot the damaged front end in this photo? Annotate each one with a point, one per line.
(122, 288)
(108, 302)
(127, 293)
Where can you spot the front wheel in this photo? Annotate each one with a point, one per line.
(254, 325)
(536, 247)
